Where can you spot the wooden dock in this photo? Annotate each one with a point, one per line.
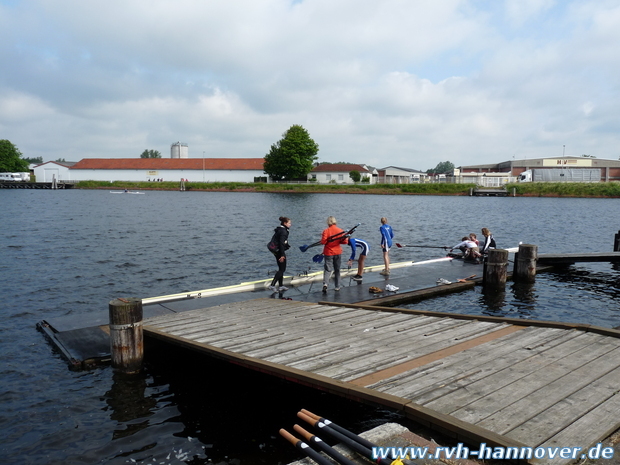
(570, 258)
(503, 382)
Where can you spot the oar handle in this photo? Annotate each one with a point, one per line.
(288, 436)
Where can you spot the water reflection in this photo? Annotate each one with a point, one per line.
(128, 402)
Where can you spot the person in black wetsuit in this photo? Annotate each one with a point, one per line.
(281, 238)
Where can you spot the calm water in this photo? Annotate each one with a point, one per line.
(71, 252)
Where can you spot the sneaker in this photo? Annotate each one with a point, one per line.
(283, 288)
(357, 277)
(336, 289)
(385, 273)
(443, 281)
(324, 288)
(273, 288)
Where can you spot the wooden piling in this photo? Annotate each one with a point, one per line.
(496, 267)
(525, 263)
(126, 339)
(617, 242)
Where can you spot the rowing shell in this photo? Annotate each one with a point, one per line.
(112, 192)
(292, 281)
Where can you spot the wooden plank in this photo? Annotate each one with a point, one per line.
(434, 342)
(479, 411)
(562, 414)
(428, 383)
(434, 356)
(581, 432)
(500, 375)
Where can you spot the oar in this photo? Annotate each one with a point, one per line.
(318, 258)
(333, 429)
(400, 246)
(303, 248)
(340, 429)
(305, 448)
(319, 444)
(351, 443)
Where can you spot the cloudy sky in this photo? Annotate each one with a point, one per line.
(391, 82)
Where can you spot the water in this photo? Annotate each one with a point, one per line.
(69, 252)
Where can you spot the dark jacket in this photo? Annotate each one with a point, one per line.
(281, 238)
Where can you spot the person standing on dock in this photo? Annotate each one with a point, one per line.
(280, 237)
(364, 249)
(332, 237)
(386, 242)
(489, 242)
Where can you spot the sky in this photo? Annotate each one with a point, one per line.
(407, 83)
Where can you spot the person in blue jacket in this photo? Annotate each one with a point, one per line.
(386, 242)
(364, 249)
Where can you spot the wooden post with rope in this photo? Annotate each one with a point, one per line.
(525, 263)
(495, 268)
(126, 338)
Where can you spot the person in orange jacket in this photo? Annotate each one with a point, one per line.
(332, 238)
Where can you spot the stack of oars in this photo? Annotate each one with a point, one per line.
(314, 444)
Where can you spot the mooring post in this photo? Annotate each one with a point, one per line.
(126, 339)
(496, 268)
(525, 263)
(617, 242)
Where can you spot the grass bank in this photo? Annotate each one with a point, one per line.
(427, 189)
(566, 189)
(535, 189)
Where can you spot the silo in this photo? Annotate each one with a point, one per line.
(179, 150)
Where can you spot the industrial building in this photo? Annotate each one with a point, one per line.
(576, 169)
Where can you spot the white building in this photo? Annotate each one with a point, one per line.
(396, 175)
(168, 169)
(45, 172)
(338, 173)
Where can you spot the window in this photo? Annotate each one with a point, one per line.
(341, 177)
(328, 177)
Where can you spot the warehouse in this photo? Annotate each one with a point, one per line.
(591, 169)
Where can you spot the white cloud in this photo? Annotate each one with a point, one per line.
(386, 83)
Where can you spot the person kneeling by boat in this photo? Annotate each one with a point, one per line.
(364, 249)
(468, 247)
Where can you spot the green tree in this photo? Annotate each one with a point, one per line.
(150, 154)
(61, 160)
(10, 158)
(355, 175)
(293, 156)
(35, 160)
(444, 167)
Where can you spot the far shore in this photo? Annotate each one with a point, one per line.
(540, 189)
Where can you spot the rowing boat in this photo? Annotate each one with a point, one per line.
(289, 281)
(113, 192)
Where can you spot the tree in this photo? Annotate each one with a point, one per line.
(293, 156)
(355, 175)
(35, 160)
(150, 154)
(10, 158)
(444, 167)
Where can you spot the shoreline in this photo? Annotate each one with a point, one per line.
(550, 190)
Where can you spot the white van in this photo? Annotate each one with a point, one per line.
(16, 177)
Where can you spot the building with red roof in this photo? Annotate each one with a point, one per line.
(167, 169)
